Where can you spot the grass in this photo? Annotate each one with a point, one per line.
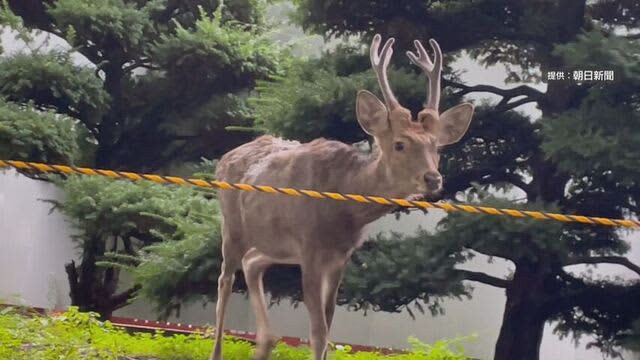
(76, 335)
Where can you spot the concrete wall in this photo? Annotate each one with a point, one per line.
(35, 245)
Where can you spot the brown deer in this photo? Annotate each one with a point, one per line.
(319, 235)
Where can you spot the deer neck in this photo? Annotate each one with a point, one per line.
(372, 178)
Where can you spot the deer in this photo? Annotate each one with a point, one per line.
(260, 230)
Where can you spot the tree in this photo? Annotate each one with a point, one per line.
(160, 83)
(165, 77)
(115, 219)
(569, 160)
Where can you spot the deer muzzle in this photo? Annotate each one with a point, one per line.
(433, 180)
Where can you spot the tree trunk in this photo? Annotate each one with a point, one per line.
(92, 288)
(113, 120)
(521, 332)
(523, 320)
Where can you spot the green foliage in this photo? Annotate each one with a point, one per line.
(509, 238)
(491, 153)
(317, 98)
(399, 272)
(111, 208)
(123, 22)
(605, 121)
(78, 335)
(220, 53)
(284, 106)
(514, 34)
(32, 135)
(384, 276)
(607, 307)
(171, 270)
(52, 81)
(598, 50)
(116, 218)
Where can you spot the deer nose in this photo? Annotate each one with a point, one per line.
(433, 180)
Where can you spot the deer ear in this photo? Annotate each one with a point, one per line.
(454, 124)
(371, 113)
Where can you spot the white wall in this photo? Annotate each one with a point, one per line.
(35, 246)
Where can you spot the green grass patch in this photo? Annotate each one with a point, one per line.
(76, 335)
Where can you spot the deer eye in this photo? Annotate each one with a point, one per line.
(398, 146)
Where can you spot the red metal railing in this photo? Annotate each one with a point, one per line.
(151, 325)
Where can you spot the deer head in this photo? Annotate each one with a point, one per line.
(409, 147)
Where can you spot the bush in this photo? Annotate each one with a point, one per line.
(77, 335)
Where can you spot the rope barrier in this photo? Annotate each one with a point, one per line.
(223, 185)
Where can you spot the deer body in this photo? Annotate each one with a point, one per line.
(262, 229)
(320, 165)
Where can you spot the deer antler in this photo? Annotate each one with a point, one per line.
(431, 70)
(379, 63)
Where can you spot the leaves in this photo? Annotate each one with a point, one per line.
(31, 135)
(115, 219)
(315, 100)
(604, 124)
(218, 53)
(52, 81)
(393, 272)
(121, 26)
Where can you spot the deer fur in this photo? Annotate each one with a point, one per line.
(319, 235)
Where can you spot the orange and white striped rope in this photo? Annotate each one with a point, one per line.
(368, 199)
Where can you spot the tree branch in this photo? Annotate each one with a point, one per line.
(522, 90)
(607, 298)
(141, 63)
(513, 179)
(122, 299)
(531, 94)
(490, 253)
(484, 176)
(619, 260)
(483, 278)
(506, 106)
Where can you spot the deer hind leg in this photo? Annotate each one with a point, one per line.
(230, 264)
(254, 264)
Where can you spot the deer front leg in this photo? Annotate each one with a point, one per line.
(254, 264)
(332, 281)
(321, 276)
(312, 294)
